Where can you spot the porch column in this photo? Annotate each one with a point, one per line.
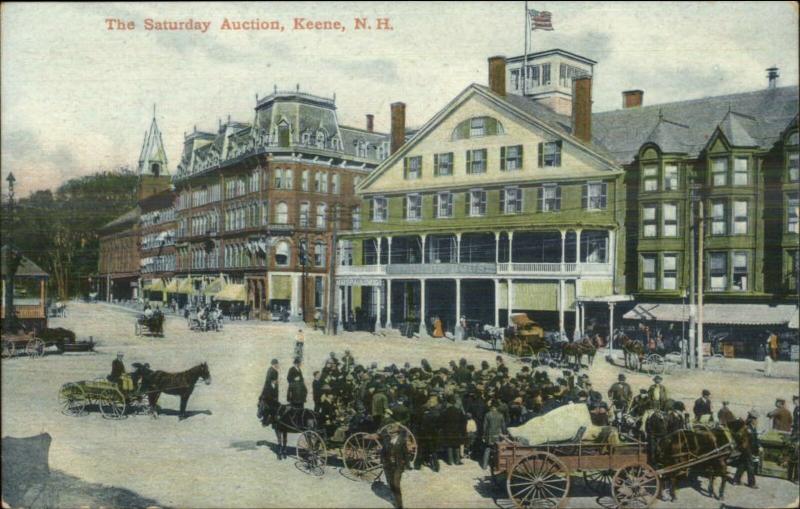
(458, 247)
(423, 330)
(458, 301)
(496, 249)
(611, 252)
(583, 318)
(577, 329)
(563, 248)
(378, 242)
(578, 249)
(108, 288)
(389, 298)
(510, 249)
(510, 299)
(342, 295)
(561, 292)
(378, 292)
(497, 303)
(423, 236)
(389, 256)
(611, 326)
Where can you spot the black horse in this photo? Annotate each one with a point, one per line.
(175, 384)
(286, 419)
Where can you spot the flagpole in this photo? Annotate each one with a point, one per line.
(524, 72)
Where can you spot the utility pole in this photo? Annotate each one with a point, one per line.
(12, 261)
(700, 283)
(330, 326)
(689, 356)
(304, 275)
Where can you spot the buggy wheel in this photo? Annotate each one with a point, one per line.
(635, 485)
(361, 456)
(34, 348)
(411, 441)
(8, 349)
(72, 399)
(598, 481)
(112, 404)
(311, 453)
(544, 358)
(538, 480)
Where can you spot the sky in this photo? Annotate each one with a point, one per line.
(77, 97)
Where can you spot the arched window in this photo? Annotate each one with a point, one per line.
(282, 254)
(284, 134)
(477, 126)
(281, 213)
(306, 137)
(322, 209)
(320, 138)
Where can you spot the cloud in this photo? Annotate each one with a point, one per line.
(372, 69)
(35, 165)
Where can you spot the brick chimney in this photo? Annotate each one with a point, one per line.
(632, 98)
(497, 75)
(370, 122)
(582, 108)
(398, 126)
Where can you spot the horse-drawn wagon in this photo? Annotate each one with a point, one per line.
(112, 399)
(150, 325)
(528, 339)
(33, 344)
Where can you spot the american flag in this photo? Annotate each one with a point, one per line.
(540, 20)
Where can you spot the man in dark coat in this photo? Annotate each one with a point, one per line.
(746, 461)
(620, 393)
(494, 425)
(316, 390)
(394, 458)
(117, 369)
(453, 431)
(702, 406)
(725, 416)
(428, 438)
(297, 393)
(295, 371)
(268, 400)
(781, 418)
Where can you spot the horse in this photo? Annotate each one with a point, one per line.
(683, 445)
(572, 353)
(587, 349)
(656, 425)
(632, 347)
(175, 384)
(286, 419)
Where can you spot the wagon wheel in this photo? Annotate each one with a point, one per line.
(657, 364)
(525, 351)
(72, 399)
(311, 453)
(8, 349)
(34, 348)
(538, 480)
(598, 480)
(544, 358)
(411, 441)
(635, 485)
(361, 456)
(112, 404)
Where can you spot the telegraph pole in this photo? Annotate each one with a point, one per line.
(331, 319)
(304, 276)
(12, 261)
(689, 356)
(700, 283)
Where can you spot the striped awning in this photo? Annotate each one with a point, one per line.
(172, 287)
(186, 286)
(154, 285)
(214, 287)
(233, 292)
(718, 314)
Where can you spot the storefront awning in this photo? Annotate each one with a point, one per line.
(718, 314)
(172, 287)
(154, 285)
(232, 292)
(186, 286)
(214, 287)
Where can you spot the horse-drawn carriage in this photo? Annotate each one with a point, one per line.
(528, 339)
(152, 325)
(33, 344)
(205, 320)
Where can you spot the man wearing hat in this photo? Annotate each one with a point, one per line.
(117, 370)
(658, 395)
(620, 393)
(268, 400)
(725, 416)
(746, 458)
(781, 418)
(295, 371)
(702, 407)
(380, 404)
(640, 403)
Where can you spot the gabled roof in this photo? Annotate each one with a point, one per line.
(27, 268)
(739, 130)
(762, 116)
(671, 137)
(523, 109)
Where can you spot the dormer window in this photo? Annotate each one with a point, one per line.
(320, 139)
(306, 138)
(155, 169)
(477, 126)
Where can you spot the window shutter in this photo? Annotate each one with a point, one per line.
(467, 200)
(372, 209)
(469, 161)
(419, 168)
(519, 200)
(604, 194)
(502, 201)
(449, 204)
(435, 165)
(482, 205)
(405, 207)
(521, 159)
(585, 196)
(502, 159)
(558, 152)
(405, 168)
(541, 155)
(436, 205)
(540, 197)
(558, 198)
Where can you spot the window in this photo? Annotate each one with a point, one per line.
(739, 271)
(718, 222)
(477, 127)
(669, 271)
(511, 158)
(443, 164)
(282, 254)
(794, 167)
(670, 220)
(515, 79)
(302, 253)
(510, 200)
(413, 168)
(413, 207)
(545, 74)
(319, 254)
(670, 177)
(650, 226)
(320, 139)
(323, 182)
(278, 181)
(740, 165)
(380, 210)
(533, 75)
(594, 195)
(443, 205)
(566, 73)
(550, 154)
(254, 182)
(335, 183)
(739, 217)
(319, 291)
(304, 181)
(550, 198)
(304, 211)
(719, 171)
(361, 148)
(356, 218)
(718, 271)
(649, 273)
(322, 211)
(793, 213)
(476, 203)
(281, 213)
(650, 178)
(476, 161)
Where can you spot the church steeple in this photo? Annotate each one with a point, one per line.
(153, 157)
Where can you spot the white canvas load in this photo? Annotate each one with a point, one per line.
(559, 424)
